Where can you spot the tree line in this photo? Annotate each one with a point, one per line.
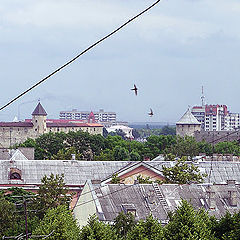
(96, 147)
(48, 213)
(115, 148)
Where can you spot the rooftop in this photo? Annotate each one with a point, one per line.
(188, 118)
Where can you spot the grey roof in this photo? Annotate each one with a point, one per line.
(7, 154)
(77, 172)
(146, 200)
(39, 110)
(188, 118)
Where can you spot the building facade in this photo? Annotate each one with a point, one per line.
(17, 132)
(99, 116)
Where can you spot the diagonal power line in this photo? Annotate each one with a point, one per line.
(80, 54)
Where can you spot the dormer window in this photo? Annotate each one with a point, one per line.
(129, 208)
(15, 174)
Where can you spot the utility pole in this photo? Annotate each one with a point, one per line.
(25, 213)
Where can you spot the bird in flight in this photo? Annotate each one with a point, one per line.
(150, 113)
(135, 89)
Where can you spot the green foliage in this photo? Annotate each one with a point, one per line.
(228, 227)
(66, 153)
(150, 229)
(121, 154)
(142, 180)
(187, 223)
(123, 224)
(96, 147)
(52, 193)
(227, 148)
(96, 230)
(134, 156)
(182, 173)
(61, 221)
(7, 218)
(115, 179)
(186, 146)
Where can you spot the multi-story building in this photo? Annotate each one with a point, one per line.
(232, 122)
(211, 117)
(215, 117)
(16, 132)
(99, 116)
(199, 113)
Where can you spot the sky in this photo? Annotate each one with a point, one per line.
(169, 53)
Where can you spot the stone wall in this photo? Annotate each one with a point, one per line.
(217, 136)
(187, 129)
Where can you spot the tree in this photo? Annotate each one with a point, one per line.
(120, 154)
(124, 223)
(227, 148)
(134, 156)
(66, 154)
(60, 222)
(166, 130)
(187, 223)
(228, 227)
(186, 146)
(96, 230)
(150, 229)
(182, 173)
(115, 179)
(7, 219)
(52, 193)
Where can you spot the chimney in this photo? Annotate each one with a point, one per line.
(73, 156)
(232, 193)
(211, 198)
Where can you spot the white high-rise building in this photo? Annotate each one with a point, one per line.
(99, 116)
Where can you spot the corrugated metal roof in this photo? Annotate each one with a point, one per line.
(77, 172)
(145, 200)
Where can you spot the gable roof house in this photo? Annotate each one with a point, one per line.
(107, 201)
(28, 173)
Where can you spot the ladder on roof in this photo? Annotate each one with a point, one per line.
(161, 197)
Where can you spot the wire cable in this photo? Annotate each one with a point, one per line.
(80, 54)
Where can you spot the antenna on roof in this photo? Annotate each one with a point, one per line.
(203, 97)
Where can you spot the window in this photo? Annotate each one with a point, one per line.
(15, 174)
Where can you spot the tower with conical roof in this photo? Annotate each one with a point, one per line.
(187, 124)
(39, 117)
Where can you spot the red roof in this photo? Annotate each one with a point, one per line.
(71, 124)
(16, 124)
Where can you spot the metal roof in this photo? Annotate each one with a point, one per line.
(158, 200)
(77, 172)
(188, 118)
(39, 110)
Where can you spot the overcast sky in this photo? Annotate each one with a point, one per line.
(169, 53)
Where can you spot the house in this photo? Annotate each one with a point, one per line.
(22, 153)
(28, 173)
(108, 200)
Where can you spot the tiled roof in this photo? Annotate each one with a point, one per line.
(188, 118)
(39, 110)
(16, 124)
(72, 124)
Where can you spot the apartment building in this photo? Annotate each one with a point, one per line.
(212, 117)
(232, 121)
(100, 116)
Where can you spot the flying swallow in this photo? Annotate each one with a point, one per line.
(135, 89)
(150, 113)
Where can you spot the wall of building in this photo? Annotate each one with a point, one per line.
(187, 129)
(216, 136)
(15, 135)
